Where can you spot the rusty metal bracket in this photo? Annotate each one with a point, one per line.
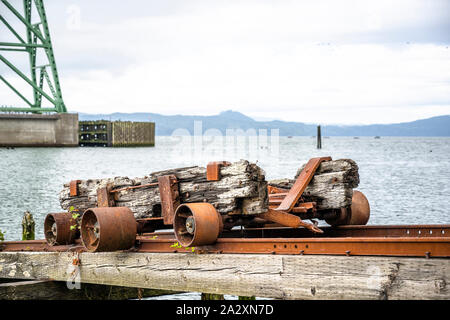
(170, 197)
(305, 207)
(155, 184)
(288, 220)
(282, 202)
(275, 191)
(105, 198)
(213, 170)
(74, 187)
(301, 183)
(147, 225)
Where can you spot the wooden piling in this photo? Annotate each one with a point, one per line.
(28, 226)
(212, 296)
(319, 138)
(116, 133)
(246, 298)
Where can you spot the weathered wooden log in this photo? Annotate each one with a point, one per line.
(242, 189)
(332, 185)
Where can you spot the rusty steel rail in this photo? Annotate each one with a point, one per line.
(378, 240)
(363, 246)
(434, 230)
(428, 241)
(39, 246)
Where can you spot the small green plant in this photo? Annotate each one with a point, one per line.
(75, 217)
(179, 246)
(176, 245)
(2, 235)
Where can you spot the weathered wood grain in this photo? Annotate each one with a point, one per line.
(272, 276)
(242, 189)
(332, 185)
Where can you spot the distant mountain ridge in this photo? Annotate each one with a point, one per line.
(166, 124)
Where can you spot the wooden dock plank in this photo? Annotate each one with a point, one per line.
(272, 276)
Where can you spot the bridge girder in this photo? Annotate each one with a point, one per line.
(37, 39)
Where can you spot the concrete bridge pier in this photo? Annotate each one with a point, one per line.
(39, 130)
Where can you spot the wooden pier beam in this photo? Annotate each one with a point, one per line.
(272, 276)
(57, 290)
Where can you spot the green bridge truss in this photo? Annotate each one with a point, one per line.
(35, 40)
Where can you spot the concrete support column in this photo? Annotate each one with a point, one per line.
(39, 130)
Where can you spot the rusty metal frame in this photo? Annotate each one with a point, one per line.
(213, 170)
(288, 220)
(301, 183)
(283, 202)
(392, 240)
(73, 187)
(104, 197)
(154, 184)
(430, 241)
(389, 231)
(170, 197)
(368, 246)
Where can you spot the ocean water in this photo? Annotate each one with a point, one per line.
(406, 180)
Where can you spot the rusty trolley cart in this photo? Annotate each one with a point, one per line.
(200, 228)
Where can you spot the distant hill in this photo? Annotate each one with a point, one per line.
(165, 125)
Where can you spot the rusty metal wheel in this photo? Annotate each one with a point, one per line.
(197, 224)
(357, 214)
(360, 209)
(60, 228)
(108, 229)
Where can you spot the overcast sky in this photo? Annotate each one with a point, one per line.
(341, 62)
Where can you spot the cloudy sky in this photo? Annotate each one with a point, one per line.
(341, 62)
